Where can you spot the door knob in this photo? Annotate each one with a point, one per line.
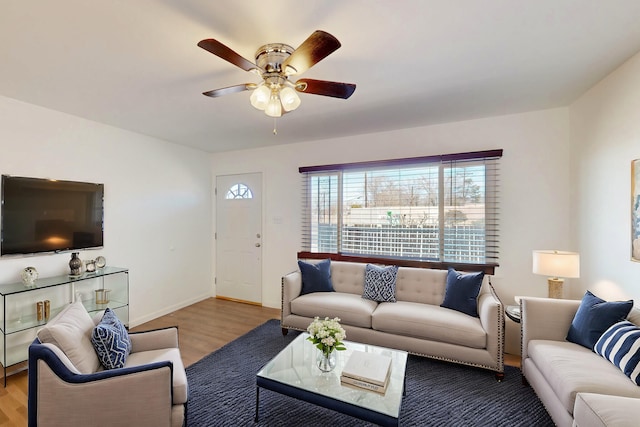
(257, 245)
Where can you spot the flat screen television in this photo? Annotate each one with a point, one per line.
(43, 215)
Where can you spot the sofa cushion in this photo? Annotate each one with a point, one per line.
(620, 345)
(462, 292)
(570, 368)
(316, 277)
(352, 309)
(111, 341)
(180, 385)
(423, 285)
(634, 316)
(594, 316)
(429, 322)
(380, 283)
(71, 331)
(601, 410)
(348, 277)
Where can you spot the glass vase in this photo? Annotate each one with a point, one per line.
(75, 265)
(326, 361)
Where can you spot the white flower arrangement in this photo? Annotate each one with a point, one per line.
(327, 334)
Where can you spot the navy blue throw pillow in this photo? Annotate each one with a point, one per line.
(462, 292)
(316, 277)
(594, 316)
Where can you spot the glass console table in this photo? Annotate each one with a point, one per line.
(20, 321)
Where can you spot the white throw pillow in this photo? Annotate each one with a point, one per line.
(71, 331)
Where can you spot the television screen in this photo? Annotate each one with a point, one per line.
(42, 215)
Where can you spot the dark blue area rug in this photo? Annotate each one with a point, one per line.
(222, 392)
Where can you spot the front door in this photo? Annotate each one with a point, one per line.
(239, 237)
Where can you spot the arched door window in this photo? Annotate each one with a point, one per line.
(239, 191)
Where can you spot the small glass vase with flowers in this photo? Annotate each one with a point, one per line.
(327, 335)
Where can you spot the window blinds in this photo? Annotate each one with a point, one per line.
(437, 208)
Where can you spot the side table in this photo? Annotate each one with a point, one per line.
(513, 312)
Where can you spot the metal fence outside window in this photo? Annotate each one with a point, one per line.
(462, 243)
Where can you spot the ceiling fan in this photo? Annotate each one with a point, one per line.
(275, 63)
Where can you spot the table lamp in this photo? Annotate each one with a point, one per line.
(556, 265)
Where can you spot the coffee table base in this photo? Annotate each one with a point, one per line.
(323, 401)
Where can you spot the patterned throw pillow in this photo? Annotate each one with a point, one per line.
(380, 283)
(620, 345)
(111, 341)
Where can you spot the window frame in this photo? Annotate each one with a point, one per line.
(445, 159)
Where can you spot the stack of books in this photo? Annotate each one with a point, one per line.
(369, 371)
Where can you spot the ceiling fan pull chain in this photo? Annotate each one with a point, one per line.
(275, 126)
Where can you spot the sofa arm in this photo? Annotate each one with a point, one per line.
(491, 315)
(545, 319)
(154, 339)
(58, 396)
(291, 288)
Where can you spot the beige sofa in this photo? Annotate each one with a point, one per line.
(577, 386)
(415, 323)
(68, 385)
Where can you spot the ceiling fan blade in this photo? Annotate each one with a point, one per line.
(322, 87)
(224, 52)
(314, 49)
(228, 90)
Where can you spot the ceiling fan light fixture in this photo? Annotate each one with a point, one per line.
(290, 99)
(274, 107)
(260, 97)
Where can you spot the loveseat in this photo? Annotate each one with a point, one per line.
(577, 386)
(415, 322)
(70, 386)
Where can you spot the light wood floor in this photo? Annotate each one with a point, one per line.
(202, 328)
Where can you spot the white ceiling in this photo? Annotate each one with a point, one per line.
(134, 64)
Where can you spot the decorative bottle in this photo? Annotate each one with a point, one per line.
(75, 264)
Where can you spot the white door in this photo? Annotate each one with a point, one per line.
(239, 237)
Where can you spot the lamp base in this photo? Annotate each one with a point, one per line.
(555, 287)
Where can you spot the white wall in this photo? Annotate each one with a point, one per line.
(535, 188)
(605, 125)
(157, 202)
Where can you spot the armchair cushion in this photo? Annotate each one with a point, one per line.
(70, 331)
(111, 341)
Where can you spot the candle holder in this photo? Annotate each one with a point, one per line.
(102, 296)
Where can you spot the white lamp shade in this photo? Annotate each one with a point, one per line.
(290, 99)
(260, 97)
(556, 263)
(274, 107)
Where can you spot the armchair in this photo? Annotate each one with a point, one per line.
(67, 387)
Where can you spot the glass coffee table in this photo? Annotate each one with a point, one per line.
(294, 372)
